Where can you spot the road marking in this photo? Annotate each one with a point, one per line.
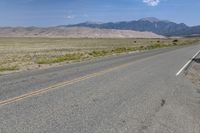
(187, 64)
(59, 85)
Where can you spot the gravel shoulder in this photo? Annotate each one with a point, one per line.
(193, 73)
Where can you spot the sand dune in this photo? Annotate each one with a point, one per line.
(73, 32)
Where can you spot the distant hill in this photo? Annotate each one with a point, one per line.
(150, 24)
(73, 32)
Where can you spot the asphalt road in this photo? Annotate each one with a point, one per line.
(133, 93)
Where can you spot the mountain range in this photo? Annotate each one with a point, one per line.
(149, 27)
(151, 24)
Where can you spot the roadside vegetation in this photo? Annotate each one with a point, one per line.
(31, 53)
(7, 68)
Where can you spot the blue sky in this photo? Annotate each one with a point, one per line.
(61, 12)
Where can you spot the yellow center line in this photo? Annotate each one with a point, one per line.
(59, 85)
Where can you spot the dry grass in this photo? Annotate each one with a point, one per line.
(27, 53)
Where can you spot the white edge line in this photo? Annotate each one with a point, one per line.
(185, 66)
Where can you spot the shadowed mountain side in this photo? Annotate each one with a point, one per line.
(73, 32)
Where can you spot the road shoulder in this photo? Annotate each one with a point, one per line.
(193, 73)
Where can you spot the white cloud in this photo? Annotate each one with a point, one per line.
(70, 17)
(152, 2)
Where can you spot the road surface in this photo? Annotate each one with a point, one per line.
(133, 93)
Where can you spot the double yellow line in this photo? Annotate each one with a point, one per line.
(59, 85)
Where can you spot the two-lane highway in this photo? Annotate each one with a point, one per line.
(132, 93)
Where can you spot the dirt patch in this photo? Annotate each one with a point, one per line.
(193, 73)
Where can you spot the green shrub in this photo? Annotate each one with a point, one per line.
(98, 53)
(8, 68)
(66, 57)
(175, 40)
